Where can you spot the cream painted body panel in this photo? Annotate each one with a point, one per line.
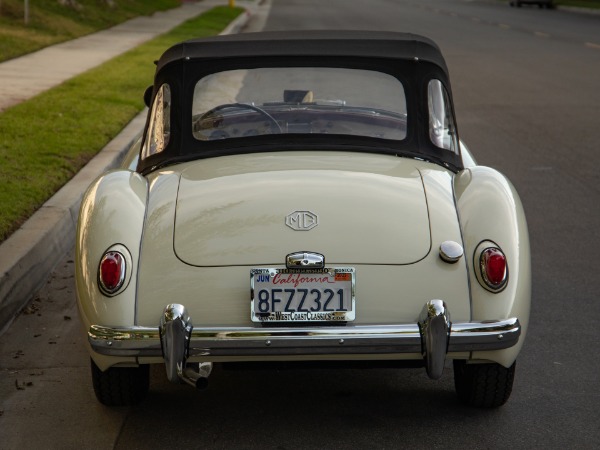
(490, 209)
(112, 213)
(385, 293)
(238, 217)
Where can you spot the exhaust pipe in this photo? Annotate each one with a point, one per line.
(197, 376)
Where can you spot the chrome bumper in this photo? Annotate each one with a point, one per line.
(176, 339)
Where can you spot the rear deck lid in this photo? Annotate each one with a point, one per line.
(255, 209)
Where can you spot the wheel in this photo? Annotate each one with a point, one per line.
(483, 385)
(273, 125)
(121, 386)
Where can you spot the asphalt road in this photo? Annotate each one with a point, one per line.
(525, 83)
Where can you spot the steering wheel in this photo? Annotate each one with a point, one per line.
(273, 125)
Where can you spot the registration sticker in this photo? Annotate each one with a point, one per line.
(292, 295)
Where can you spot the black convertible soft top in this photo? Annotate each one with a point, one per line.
(413, 59)
(373, 44)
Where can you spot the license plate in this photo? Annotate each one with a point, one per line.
(291, 295)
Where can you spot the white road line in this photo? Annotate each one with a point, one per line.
(592, 45)
(541, 34)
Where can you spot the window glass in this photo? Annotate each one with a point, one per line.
(159, 130)
(307, 100)
(442, 131)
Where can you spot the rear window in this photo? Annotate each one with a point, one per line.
(303, 100)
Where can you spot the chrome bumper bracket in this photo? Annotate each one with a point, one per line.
(434, 324)
(175, 336)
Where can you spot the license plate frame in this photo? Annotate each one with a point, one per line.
(290, 295)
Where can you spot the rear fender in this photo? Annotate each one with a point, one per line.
(490, 210)
(111, 216)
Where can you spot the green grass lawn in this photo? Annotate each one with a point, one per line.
(46, 140)
(51, 22)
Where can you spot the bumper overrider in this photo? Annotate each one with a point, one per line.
(176, 340)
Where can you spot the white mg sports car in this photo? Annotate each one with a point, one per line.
(302, 197)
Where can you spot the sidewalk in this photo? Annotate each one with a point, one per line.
(24, 77)
(31, 253)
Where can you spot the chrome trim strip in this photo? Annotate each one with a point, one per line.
(349, 339)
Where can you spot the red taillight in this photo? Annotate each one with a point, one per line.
(494, 270)
(111, 273)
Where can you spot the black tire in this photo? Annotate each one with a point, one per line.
(483, 385)
(121, 386)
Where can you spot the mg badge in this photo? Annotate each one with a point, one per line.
(302, 220)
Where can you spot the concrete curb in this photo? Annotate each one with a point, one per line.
(235, 26)
(30, 254)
